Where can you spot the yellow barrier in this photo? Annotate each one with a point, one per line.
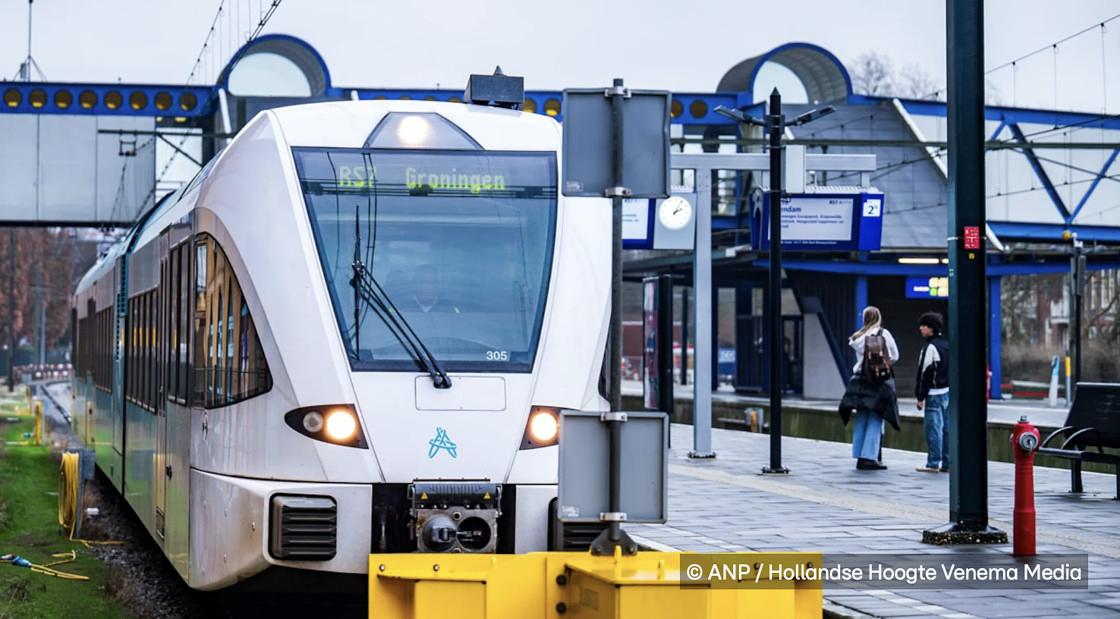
(39, 424)
(556, 585)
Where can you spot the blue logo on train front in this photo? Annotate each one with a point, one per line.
(442, 442)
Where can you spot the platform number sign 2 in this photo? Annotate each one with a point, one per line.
(873, 208)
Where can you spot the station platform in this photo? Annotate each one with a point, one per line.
(725, 505)
(817, 419)
(999, 411)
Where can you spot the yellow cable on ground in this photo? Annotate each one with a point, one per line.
(63, 557)
(68, 478)
(68, 508)
(67, 557)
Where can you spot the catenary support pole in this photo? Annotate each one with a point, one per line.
(702, 317)
(11, 309)
(684, 335)
(1077, 310)
(995, 343)
(968, 407)
(775, 126)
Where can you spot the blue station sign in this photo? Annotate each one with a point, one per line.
(821, 221)
(933, 287)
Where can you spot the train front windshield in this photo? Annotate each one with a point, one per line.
(460, 242)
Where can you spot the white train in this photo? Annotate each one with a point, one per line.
(350, 333)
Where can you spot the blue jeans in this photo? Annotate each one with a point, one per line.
(937, 430)
(866, 434)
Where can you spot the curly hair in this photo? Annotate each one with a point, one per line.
(933, 320)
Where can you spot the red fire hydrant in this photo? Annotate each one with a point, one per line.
(1024, 442)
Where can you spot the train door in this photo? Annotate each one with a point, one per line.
(117, 314)
(162, 324)
(176, 401)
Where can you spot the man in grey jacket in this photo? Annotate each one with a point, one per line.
(932, 391)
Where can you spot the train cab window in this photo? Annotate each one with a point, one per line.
(459, 241)
(229, 363)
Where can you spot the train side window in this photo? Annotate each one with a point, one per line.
(148, 348)
(153, 350)
(140, 365)
(141, 349)
(73, 335)
(106, 350)
(198, 371)
(211, 334)
(87, 356)
(98, 362)
(228, 354)
(233, 299)
(130, 352)
(184, 320)
(153, 347)
(218, 326)
(162, 334)
(103, 347)
(145, 347)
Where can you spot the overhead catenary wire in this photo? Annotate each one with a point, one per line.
(1014, 62)
(208, 43)
(921, 207)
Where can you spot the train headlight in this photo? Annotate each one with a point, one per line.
(414, 130)
(341, 426)
(543, 428)
(337, 424)
(313, 422)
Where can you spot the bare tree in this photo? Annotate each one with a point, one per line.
(872, 74)
(914, 83)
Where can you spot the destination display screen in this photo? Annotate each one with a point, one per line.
(419, 173)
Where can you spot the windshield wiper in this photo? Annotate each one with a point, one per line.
(366, 286)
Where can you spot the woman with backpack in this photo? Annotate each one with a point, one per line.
(871, 393)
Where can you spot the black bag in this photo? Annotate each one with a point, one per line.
(850, 403)
(876, 358)
(878, 398)
(886, 404)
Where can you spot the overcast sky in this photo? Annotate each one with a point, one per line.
(679, 45)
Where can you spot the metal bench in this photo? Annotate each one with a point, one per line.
(1093, 423)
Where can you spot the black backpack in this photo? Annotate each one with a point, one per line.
(876, 359)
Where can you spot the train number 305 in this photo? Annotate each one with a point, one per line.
(497, 355)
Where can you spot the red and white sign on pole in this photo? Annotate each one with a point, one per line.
(972, 237)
